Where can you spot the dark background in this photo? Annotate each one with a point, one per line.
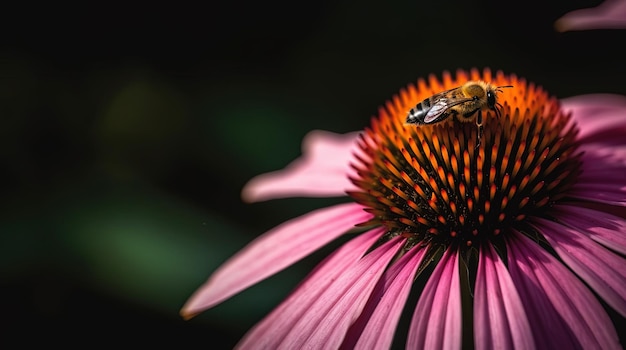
(128, 131)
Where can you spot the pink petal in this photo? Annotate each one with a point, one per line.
(273, 251)
(377, 324)
(500, 321)
(326, 322)
(600, 169)
(602, 179)
(607, 193)
(437, 320)
(613, 154)
(562, 310)
(606, 229)
(611, 14)
(597, 113)
(269, 333)
(322, 171)
(604, 271)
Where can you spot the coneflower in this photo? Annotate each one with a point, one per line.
(512, 242)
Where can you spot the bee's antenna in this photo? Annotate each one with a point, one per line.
(504, 86)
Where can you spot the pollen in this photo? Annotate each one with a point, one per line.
(439, 183)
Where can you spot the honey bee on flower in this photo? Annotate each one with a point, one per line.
(464, 102)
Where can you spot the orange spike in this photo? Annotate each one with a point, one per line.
(412, 205)
(453, 207)
(492, 173)
(457, 147)
(445, 155)
(537, 187)
(505, 201)
(444, 195)
(426, 149)
(397, 211)
(508, 147)
(442, 174)
(433, 161)
(504, 163)
(552, 165)
(406, 155)
(523, 202)
(419, 191)
(492, 190)
(534, 141)
(535, 171)
(400, 193)
(466, 158)
(529, 159)
(435, 139)
(391, 168)
(450, 179)
(455, 166)
(407, 178)
(505, 181)
(543, 202)
(524, 182)
(423, 221)
(517, 166)
(433, 205)
(494, 154)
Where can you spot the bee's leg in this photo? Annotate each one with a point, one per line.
(479, 124)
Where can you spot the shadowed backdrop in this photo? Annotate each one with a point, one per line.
(127, 133)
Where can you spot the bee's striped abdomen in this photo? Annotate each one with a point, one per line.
(418, 113)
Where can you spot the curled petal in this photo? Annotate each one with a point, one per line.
(273, 251)
(602, 179)
(601, 114)
(563, 312)
(602, 269)
(437, 320)
(601, 193)
(377, 324)
(269, 333)
(604, 228)
(322, 171)
(611, 14)
(327, 320)
(611, 152)
(500, 321)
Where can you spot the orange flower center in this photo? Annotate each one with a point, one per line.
(432, 183)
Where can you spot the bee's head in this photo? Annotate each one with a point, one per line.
(491, 96)
(492, 103)
(491, 99)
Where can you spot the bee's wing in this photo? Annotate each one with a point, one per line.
(441, 105)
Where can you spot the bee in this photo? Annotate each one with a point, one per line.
(463, 102)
